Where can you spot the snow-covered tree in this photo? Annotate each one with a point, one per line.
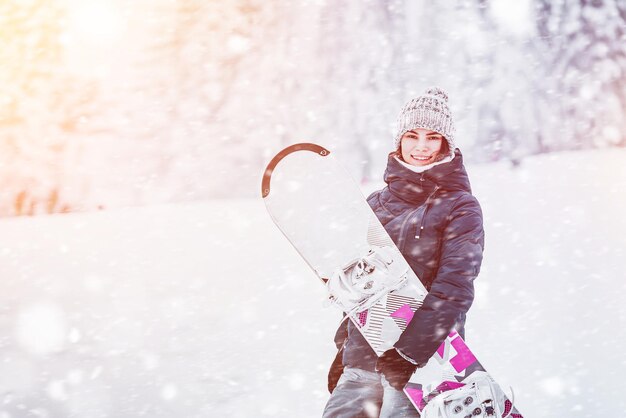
(41, 111)
(583, 46)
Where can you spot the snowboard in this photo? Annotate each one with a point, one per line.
(321, 211)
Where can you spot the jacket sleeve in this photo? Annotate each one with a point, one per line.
(341, 335)
(452, 290)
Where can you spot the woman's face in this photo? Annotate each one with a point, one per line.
(420, 146)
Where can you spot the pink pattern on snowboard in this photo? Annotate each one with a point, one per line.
(363, 318)
(404, 312)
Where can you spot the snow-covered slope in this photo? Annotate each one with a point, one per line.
(205, 310)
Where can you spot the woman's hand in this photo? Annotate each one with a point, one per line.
(395, 368)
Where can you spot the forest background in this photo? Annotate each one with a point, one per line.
(111, 103)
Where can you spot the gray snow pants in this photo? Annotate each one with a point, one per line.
(363, 394)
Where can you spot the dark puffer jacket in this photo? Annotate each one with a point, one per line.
(437, 224)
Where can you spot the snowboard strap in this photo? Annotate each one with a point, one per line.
(362, 282)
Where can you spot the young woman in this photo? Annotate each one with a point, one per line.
(429, 211)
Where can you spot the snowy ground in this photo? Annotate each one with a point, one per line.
(205, 310)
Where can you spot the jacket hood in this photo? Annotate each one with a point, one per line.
(416, 187)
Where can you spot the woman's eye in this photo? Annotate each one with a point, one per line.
(437, 138)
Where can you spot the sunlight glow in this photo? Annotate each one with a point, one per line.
(95, 22)
(93, 33)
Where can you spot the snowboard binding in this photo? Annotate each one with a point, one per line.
(480, 397)
(362, 282)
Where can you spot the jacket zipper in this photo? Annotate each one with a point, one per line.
(420, 225)
(401, 239)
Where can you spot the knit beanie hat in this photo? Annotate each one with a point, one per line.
(428, 111)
